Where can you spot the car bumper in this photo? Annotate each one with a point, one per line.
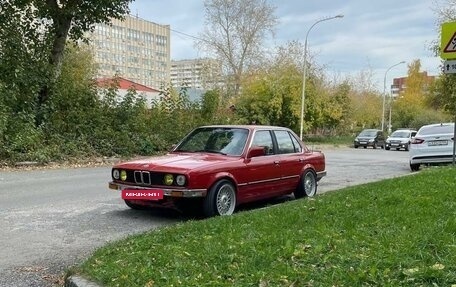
(321, 174)
(431, 159)
(169, 192)
(363, 143)
(396, 145)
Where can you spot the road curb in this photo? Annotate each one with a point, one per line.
(78, 281)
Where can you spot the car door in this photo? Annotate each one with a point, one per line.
(291, 160)
(262, 174)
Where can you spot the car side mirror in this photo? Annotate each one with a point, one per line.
(256, 151)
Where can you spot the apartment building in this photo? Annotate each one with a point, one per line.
(135, 49)
(199, 74)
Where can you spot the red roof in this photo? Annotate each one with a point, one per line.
(124, 84)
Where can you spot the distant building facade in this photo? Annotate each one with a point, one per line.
(400, 84)
(135, 49)
(199, 74)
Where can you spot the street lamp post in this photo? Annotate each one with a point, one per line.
(384, 92)
(303, 96)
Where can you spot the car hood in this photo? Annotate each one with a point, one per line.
(177, 162)
(397, 139)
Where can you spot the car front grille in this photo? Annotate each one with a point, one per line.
(142, 177)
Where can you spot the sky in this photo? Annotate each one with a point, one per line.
(372, 35)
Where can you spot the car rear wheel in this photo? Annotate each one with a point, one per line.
(221, 199)
(415, 166)
(307, 185)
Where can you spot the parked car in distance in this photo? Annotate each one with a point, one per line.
(370, 137)
(433, 144)
(400, 139)
(217, 168)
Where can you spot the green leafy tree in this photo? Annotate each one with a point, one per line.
(49, 24)
(412, 108)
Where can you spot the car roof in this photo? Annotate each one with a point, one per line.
(250, 127)
(440, 124)
(371, 130)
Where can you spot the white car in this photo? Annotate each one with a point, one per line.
(432, 144)
(400, 139)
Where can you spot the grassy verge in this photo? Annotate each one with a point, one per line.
(398, 232)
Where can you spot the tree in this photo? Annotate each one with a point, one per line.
(235, 31)
(56, 21)
(444, 92)
(412, 108)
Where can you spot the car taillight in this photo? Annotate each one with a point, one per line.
(417, 141)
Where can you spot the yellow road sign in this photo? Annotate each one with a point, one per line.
(448, 41)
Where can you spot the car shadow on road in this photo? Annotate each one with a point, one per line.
(196, 213)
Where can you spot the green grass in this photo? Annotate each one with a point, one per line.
(397, 232)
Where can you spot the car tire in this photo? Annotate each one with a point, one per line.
(387, 148)
(356, 146)
(374, 146)
(220, 200)
(307, 185)
(406, 148)
(365, 146)
(398, 148)
(134, 205)
(415, 166)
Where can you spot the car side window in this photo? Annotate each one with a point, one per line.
(264, 139)
(297, 145)
(284, 142)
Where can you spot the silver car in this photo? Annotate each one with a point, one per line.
(433, 144)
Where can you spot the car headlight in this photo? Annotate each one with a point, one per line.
(180, 180)
(371, 141)
(115, 174)
(123, 175)
(168, 179)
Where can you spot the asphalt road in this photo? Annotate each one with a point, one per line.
(51, 220)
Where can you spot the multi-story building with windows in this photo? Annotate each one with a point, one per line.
(135, 49)
(200, 74)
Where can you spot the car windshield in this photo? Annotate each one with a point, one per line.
(400, 134)
(226, 141)
(441, 129)
(368, 134)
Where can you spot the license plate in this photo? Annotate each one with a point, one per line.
(363, 142)
(144, 194)
(437, 143)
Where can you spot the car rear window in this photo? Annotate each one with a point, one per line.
(442, 129)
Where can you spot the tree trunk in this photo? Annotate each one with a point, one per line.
(62, 24)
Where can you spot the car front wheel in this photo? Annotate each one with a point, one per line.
(307, 185)
(221, 199)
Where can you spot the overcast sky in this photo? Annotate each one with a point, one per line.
(373, 35)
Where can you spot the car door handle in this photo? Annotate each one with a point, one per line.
(301, 160)
(276, 162)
